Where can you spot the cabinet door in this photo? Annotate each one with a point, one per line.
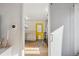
(56, 42)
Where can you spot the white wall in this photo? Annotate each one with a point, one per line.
(0, 27)
(76, 11)
(62, 14)
(10, 14)
(35, 10)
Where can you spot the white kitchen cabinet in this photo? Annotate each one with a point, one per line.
(5, 51)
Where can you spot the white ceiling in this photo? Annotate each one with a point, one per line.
(35, 10)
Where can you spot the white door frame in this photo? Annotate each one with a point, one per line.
(49, 44)
(23, 32)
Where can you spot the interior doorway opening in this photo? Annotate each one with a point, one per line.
(35, 30)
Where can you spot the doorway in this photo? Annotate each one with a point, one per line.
(35, 30)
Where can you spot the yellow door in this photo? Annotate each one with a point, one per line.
(39, 31)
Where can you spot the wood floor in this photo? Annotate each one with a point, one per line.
(35, 48)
